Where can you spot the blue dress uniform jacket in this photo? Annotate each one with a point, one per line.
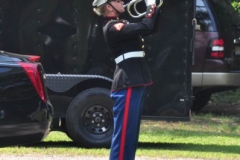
(124, 37)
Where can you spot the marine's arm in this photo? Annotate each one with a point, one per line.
(121, 29)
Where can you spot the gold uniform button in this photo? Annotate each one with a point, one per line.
(143, 46)
(142, 40)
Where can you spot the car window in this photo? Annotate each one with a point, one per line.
(4, 58)
(204, 22)
(225, 14)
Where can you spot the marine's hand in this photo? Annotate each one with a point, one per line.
(150, 2)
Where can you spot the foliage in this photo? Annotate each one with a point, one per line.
(227, 97)
(236, 6)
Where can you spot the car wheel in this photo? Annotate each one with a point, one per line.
(89, 118)
(201, 100)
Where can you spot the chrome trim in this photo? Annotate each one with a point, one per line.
(215, 79)
(197, 79)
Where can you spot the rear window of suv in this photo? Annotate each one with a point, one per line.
(225, 15)
(204, 21)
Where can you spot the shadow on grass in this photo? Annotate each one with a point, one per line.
(51, 144)
(190, 147)
(234, 149)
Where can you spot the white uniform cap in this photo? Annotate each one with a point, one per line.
(97, 3)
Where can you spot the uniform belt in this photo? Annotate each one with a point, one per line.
(127, 55)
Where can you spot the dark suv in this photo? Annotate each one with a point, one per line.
(216, 64)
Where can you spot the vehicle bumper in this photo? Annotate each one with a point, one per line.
(29, 125)
(215, 79)
(16, 134)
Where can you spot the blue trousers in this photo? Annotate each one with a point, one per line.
(127, 112)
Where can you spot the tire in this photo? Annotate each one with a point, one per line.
(89, 118)
(201, 100)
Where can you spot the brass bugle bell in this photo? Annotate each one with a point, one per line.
(134, 3)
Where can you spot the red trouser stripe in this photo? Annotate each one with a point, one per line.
(125, 119)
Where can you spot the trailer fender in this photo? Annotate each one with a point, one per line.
(63, 82)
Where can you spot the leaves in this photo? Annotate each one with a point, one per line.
(236, 5)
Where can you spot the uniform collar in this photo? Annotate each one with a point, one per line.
(107, 19)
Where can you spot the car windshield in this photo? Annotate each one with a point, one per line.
(224, 14)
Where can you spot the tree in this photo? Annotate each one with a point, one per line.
(236, 5)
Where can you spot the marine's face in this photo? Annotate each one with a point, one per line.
(118, 5)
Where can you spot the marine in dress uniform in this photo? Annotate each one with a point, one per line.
(131, 75)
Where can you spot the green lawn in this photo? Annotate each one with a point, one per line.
(205, 136)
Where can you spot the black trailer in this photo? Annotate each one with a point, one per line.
(68, 37)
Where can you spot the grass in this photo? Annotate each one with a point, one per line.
(227, 97)
(207, 136)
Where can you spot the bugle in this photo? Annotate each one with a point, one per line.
(134, 3)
